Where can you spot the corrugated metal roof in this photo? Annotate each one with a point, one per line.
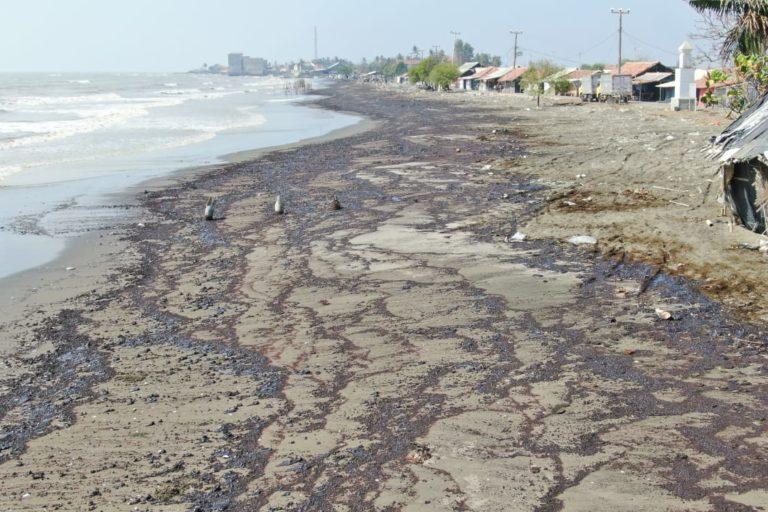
(481, 73)
(560, 74)
(747, 137)
(496, 73)
(513, 75)
(634, 69)
(468, 66)
(651, 78)
(580, 74)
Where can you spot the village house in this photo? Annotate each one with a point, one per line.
(466, 70)
(512, 81)
(472, 82)
(490, 81)
(645, 88)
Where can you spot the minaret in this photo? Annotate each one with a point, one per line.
(685, 80)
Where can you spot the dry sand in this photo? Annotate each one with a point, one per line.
(399, 354)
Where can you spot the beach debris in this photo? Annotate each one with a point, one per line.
(710, 223)
(663, 314)
(670, 138)
(749, 247)
(419, 455)
(141, 225)
(517, 237)
(69, 269)
(487, 167)
(458, 150)
(209, 207)
(335, 204)
(583, 240)
(581, 176)
(279, 205)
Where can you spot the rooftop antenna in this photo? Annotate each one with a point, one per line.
(621, 13)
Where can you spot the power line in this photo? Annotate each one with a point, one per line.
(573, 61)
(551, 56)
(610, 36)
(649, 45)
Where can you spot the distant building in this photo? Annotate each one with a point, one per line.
(646, 87)
(513, 80)
(638, 68)
(255, 66)
(240, 65)
(235, 62)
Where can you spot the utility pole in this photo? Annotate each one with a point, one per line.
(316, 42)
(621, 13)
(514, 58)
(455, 40)
(435, 50)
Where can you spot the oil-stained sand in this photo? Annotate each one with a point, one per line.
(397, 354)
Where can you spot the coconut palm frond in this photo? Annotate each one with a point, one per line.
(749, 32)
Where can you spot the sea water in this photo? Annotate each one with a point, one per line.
(68, 141)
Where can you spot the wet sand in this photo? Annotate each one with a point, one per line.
(397, 354)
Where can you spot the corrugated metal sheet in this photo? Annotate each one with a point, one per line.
(634, 69)
(746, 138)
(496, 74)
(468, 66)
(480, 73)
(513, 75)
(652, 78)
(580, 74)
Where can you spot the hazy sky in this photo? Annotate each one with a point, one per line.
(176, 35)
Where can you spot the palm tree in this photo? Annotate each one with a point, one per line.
(747, 27)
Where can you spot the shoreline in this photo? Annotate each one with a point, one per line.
(399, 351)
(90, 256)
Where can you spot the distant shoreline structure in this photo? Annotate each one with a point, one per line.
(243, 65)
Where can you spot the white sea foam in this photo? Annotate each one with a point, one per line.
(42, 133)
(37, 101)
(8, 170)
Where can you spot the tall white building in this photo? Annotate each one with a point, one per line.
(235, 62)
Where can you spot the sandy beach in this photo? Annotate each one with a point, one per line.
(406, 352)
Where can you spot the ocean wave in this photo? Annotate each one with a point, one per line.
(9, 170)
(46, 131)
(83, 82)
(39, 101)
(179, 92)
